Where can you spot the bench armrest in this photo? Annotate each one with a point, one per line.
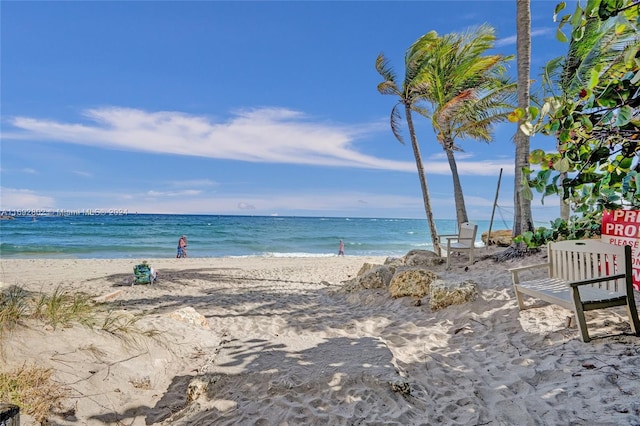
(467, 243)
(596, 280)
(446, 236)
(456, 238)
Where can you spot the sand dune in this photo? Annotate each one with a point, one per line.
(280, 345)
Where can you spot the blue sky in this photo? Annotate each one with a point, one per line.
(249, 108)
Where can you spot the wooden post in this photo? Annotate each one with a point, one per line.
(495, 203)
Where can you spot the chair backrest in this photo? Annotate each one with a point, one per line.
(468, 232)
(142, 270)
(142, 273)
(576, 260)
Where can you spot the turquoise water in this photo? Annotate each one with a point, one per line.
(156, 236)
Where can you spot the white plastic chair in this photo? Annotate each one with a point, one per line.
(463, 241)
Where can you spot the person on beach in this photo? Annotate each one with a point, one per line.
(341, 248)
(182, 247)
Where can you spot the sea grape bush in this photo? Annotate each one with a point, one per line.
(575, 229)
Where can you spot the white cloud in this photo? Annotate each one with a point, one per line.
(246, 206)
(459, 156)
(511, 40)
(275, 135)
(347, 203)
(183, 193)
(437, 165)
(194, 182)
(270, 135)
(83, 174)
(362, 204)
(13, 198)
(476, 168)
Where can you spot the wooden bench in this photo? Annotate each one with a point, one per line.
(583, 275)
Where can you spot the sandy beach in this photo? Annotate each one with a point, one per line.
(274, 341)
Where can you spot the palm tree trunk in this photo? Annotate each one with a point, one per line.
(423, 180)
(461, 209)
(522, 220)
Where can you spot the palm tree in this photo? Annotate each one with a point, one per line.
(596, 45)
(522, 218)
(409, 98)
(468, 92)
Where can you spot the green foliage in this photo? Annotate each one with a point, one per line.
(577, 228)
(591, 108)
(539, 237)
(467, 90)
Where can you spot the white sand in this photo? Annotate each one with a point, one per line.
(281, 347)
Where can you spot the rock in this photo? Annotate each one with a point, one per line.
(401, 387)
(414, 282)
(423, 258)
(190, 316)
(377, 276)
(500, 238)
(199, 386)
(393, 263)
(366, 267)
(445, 293)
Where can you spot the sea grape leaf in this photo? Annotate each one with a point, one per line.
(624, 115)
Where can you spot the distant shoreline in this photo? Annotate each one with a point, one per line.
(216, 236)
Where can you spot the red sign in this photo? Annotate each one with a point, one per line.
(622, 228)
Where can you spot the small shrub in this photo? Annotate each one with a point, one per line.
(123, 326)
(33, 390)
(61, 308)
(14, 305)
(141, 382)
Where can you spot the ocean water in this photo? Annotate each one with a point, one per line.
(156, 236)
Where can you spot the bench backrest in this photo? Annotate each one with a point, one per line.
(467, 233)
(576, 260)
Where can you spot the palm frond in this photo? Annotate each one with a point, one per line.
(384, 69)
(388, 88)
(601, 44)
(417, 54)
(420, 45)
(552, 74)
(395, 122)
(447, 111)
(421, 110)
(419, 89)
(476, 41)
